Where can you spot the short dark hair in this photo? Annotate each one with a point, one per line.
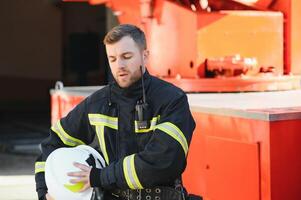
(123, 30)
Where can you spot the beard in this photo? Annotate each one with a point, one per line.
(125, 78)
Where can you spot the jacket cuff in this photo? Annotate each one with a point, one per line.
(42, 194)
(95, 177)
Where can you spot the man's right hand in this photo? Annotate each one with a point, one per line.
(48, 197)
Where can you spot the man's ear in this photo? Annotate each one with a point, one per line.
(145, 55)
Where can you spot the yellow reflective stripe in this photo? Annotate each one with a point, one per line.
(174, 132)
(153, 124)
(39, 167)
(100, 121)
(103, 120)
(102, 142)
(130, 174)
(126, 167)
(65, 137)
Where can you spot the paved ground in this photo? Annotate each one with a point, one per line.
(17, 187)
(16, 177)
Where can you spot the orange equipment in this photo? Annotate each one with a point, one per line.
(183, 34)
(231, 66)
(245, 153)
(246, 145)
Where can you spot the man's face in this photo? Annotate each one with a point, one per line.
(125, 59)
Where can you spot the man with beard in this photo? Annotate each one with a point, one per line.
(143, 126)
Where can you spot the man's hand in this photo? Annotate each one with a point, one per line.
(48, 197)
(81, 176)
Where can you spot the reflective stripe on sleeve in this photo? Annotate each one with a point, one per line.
(103, 120)
(175, 133)
(130, 172)
(39, 167)
(65, 137)
(102, 142)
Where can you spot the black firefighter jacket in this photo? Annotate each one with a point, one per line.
(136, 158)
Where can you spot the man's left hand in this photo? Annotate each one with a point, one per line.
(81, 176)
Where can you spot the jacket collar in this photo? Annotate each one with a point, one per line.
(134, 91)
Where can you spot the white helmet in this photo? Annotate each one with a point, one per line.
(60, 162)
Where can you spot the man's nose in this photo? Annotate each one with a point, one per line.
(120, 64)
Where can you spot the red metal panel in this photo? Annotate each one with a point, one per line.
(55, 108)
(219, 144)
(292, 31)
(232, 170)
(172, 42)
(62, 103)
(194, 175)
(295, 37)
(234, 129)
(129, 11)
(286, 160)
(217, 165)
(247, 33)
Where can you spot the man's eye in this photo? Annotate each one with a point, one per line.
(127, 57)
(112, 60)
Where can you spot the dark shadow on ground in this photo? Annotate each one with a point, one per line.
(20, 136)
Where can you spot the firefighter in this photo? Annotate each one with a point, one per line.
(142, 125)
